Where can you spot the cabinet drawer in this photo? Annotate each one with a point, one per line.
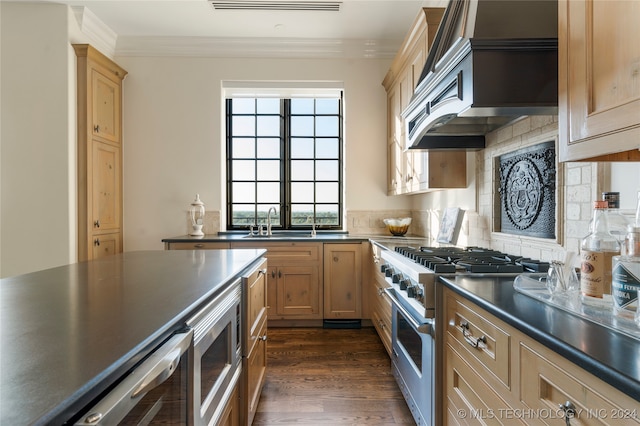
(196, 246)
(255, 303)
(479, 337)
(470, 400)
(547, 384)
(382, 325)
(255, 367)
(286, 251)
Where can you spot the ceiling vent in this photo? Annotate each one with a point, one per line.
(331, 6)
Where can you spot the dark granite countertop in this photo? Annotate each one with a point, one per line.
(67, 332)
(612, 356)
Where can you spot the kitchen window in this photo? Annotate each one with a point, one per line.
(285, 153)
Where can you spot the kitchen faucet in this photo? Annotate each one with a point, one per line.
(269, 220)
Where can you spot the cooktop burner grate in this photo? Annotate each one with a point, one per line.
(448, 260)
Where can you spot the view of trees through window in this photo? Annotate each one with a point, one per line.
(285, 154)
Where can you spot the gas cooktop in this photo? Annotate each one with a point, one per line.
(449, 260)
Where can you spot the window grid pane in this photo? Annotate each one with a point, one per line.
(303, 144)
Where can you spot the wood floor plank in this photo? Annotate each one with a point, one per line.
(339, 377)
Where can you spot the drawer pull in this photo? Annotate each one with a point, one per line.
(569, 412)
(263, 338)
(473, 342)
(262, 271)
(199, 245)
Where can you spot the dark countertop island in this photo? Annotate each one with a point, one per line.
(612, 356)
(66, 333)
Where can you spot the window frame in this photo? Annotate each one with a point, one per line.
(284, 217)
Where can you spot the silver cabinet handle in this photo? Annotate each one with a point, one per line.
(473, 342)
(151, 373)
(569, 412)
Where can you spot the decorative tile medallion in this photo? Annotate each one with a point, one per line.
(528, 191)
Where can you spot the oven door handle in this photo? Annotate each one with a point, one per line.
(424, 328)
(154, 371)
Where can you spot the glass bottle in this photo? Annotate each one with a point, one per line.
(616, 220)
(596, 256)
(625, 282)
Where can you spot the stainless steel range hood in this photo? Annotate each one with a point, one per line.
(492, 61)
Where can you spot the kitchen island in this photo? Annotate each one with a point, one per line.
(68, 333)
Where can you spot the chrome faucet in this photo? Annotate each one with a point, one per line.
(269, 220)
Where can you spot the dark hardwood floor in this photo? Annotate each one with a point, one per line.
(319, 376)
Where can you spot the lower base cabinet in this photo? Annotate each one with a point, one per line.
(494, 374)
(254, 345)
(255, 370)
(231, 414)
(378, 301)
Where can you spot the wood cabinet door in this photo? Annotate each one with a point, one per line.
(106, 187)
(395, 169)
(106, 245)
(105, 106)
(255, 304)
(343, 281)
(231, 413)
(599, 79)
(298, 292)
(255, 374)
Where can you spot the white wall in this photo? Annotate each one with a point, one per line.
(38, 151)
(174, 135)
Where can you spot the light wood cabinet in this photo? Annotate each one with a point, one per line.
(379, 302)
(294, 279)
(99, 91)
(599, 80)
(106, 245)
(343, 281)
(416, 171)
(231, 413)
(495, 374)
(254, 359)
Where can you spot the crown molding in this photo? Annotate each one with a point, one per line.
(99, 35)
(303, 48)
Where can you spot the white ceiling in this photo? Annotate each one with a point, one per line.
(361, 28)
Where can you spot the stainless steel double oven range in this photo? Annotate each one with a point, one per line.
(412, 273)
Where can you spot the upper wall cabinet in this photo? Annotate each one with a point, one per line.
(599, 80)
(99, 154)
(415, 171)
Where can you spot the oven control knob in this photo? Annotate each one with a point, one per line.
(388, 272)
(411, 291)
(383, 267)
(404, 284)
(396, 278)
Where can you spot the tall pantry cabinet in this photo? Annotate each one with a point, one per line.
(99, 154)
